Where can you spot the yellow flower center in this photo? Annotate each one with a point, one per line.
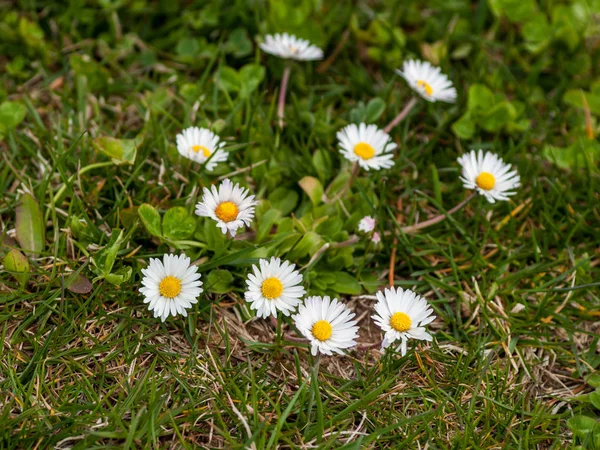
(486, 181)
(170, 287)
(272, 288)
(400, 321)
(322, 330)
(364, 150)
(205, 151)
(426, 87)
(227, 211)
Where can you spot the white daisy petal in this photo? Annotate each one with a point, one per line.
(489, 175)
(202, 146)
(327, 324)
(428, 81)
(170, 286)
(230, 206)
(290, 47)
(402, 314)
(367, 145)
(273, 287)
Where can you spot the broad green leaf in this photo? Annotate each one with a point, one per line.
(151, 219)
(464, 127)
(595, 398)
(496, 117)
(16, 263)
(121, 151)
(120, 276)
(574, 97)
(322, 163)
(307, 246)
(219, 281)
(577, 155)
(481, 99)
(283, 199)
(313, 188)
(11, 115)
(581, 426)
(228, 79)
(178, 224)
(346, 284)
(265, 222)
(593, 380)
(238, 44)
(30, 225)
(374, 110)
(250, 76)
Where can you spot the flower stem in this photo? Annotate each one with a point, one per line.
(282, 92)
(401, 116)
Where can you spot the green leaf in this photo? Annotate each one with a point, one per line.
(219, 281)
(121, 151)
(151, 219)
(265, 223)
(578, 155)
(481, 99)
(464, 127)
(11, 115)
(595, 398)
(178, 224)
(30, 225)
(496, 117)
(228, 79)
(581, 426)
(120, 276)
(16, 263)
(283, 199)
(574, 97)
(313, 188)
(104, 260)
(593, 380)
(250, 76)
(238, 44)
(308, 245)
(375, 109)
(346, 284)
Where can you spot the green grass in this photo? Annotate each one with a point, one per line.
(514, 284)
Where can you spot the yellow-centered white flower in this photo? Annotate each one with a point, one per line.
(275, 286)
(489, 175)
(402, 315)
(230, 206)
(367, 145)
(328, 324)
(290, 47)
(170, 286)
(428, 81)
(201, 145)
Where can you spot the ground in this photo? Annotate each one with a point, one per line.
(92, 96)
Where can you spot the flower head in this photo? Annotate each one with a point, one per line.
(327, 324)
(402, 315)
(290, 47)
(489, 175)
(367, 145)
(230, 206)
(276, 286)
(201, 145)
(428, 81)
(376, 238)
(170, 286)
(366, 224)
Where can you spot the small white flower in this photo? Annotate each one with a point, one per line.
(290, 47)
(402, 315)
(200, 145)
(489, 175)
(230, 206)
(366, 224)
(368, 145)
(276, 286)
(170, 286)
(428, 81)
(327, 324)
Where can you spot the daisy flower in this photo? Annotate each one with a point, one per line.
(288, 46)
(367, 145)
(489, 175)
(366, 224)
(428, 81)
(402, 315)
(230, 206)
(327, 324)
(276, 286)
(170, 286)
(201, 145)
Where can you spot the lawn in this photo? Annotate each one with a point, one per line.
(93, 95)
